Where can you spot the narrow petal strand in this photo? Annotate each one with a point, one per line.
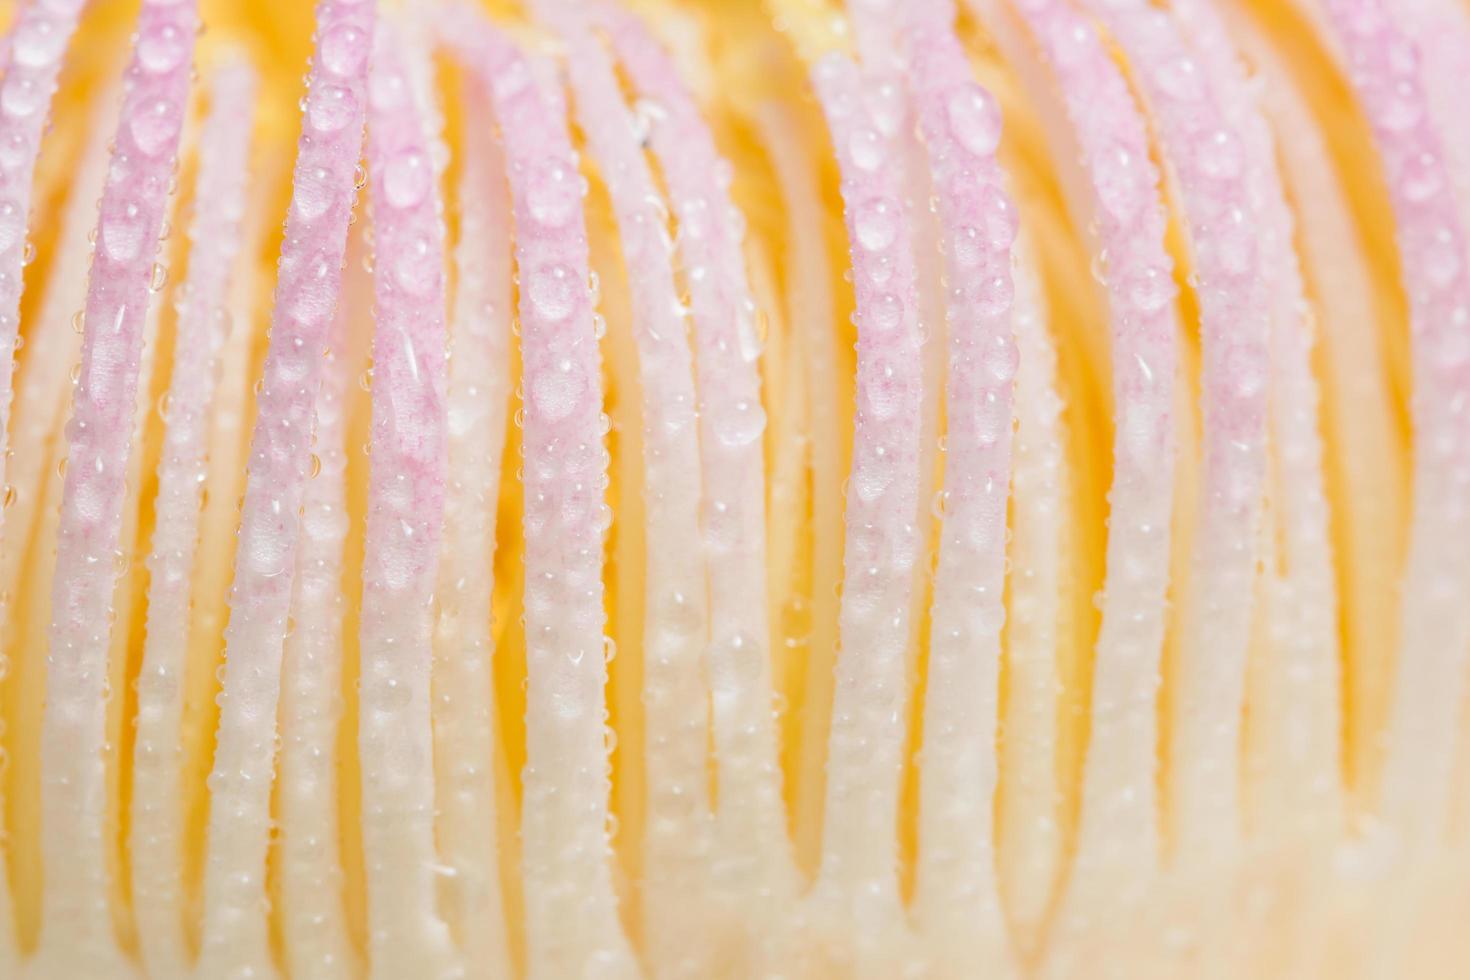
(405, 522)
(678, 861)
(572, 925)
(214, 239)
(99, 437)
(307, 288)
(857, 881)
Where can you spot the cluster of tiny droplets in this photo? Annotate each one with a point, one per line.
(139, 182)
(308, 286)
(678, 842)
(864, 761)
(727, 347)
(1207, 159)
(571, 915)
(477, 410)
(1130, 224)
(1383, 65)
(960, 125)
(204, 324)
(38, 41)
(405, 517)
(1299, 714)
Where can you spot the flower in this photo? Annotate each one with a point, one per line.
(711, 489)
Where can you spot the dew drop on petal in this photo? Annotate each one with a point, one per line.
(36, 43)
(886, 313)
(867, 149)
(344, 49)
(1117, 181)
(552, 292)
(12, 225)
(975, 120)
(740, 424)
(331, 108)
(416, 267)
(267, 549)
(555, 393)
(162, 48)
(155, 128)
(552, 194)
(313, 193)
(122, 234)
(876, 224)
(1002, 358)
(20, 96)
(406, 179)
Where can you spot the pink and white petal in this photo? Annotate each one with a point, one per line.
(158, 809)
(682, 922)
(405, 522)
(235, 929)
(572, 924)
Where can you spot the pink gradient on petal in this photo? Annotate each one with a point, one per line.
(308, 285)
(99, 437)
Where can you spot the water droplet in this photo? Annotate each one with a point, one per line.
(12, 225)
(968, 247)
(156, 127)
(331, 108)
(316, 466)
(867, 149)
(1002, 359)
(267, 548)
(158, 278)
(37, 42)
(552, 194)
(1246, 369)
(344, 49)
(20, 95)
(556, 393)
(79, 322)
(1181, 78)
(1000, 218)
(552, 292)
(992, 418)
(406, 179)
(162, 48)
(885, 314)
(122, 234)
(313, 193)
(1398, 107)
(751, 325)
(1221, 155)
(417, 267)
(741, 424)
(1151, 289)
(872, 472)
(1421, 177)
(876, 224)
(1439, 257)
(881, 392)
(10, 496)
(1116, 179)
(975, 119)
